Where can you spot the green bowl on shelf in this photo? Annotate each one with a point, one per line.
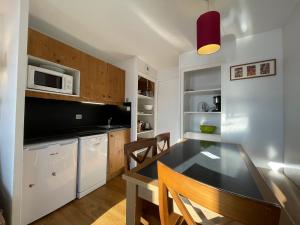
(208, 129)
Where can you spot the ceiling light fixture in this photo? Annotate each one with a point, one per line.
(208, 32)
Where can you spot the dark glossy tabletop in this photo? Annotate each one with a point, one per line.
(217, 164)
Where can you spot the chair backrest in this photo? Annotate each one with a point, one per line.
(163, 139)
(231, 206)
(147, 145)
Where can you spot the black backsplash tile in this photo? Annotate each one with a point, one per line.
(44, 117)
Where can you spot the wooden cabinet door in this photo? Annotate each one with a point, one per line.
(65, 55)
(87, 76)
(101, 82)
(116, 84)
(116, 141)
(40, 45)
(94, 82)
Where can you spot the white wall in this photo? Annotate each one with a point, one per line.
(252, 109)
(168, 110)
(13, 34)
(291, 37)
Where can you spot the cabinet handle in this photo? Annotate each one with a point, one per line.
(31, 185)
(56, 153)
(67, 143)
(54, 174)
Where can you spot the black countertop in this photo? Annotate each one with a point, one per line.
(217, 164)
(72, 133)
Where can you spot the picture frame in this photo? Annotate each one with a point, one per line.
(253, 70)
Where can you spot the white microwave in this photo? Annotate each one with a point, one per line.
(48, 80)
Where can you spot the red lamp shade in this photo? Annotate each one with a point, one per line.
(208, 33)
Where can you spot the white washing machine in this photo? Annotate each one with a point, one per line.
(92, 163)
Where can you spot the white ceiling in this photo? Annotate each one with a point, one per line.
(157, 31)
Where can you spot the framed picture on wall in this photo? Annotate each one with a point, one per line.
(253, 70)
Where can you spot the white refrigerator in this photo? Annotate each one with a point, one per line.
(49, 177)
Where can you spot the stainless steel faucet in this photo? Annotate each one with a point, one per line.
(109, 121)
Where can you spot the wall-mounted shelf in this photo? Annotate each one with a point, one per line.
(145, 132)
(203, 136)
(145, 97)
(199, 87)
(145, 114)
(217, 113)
(51, 92)
(213, 91)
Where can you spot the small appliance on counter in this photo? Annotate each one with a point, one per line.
(217, 102)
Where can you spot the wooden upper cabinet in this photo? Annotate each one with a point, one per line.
(42, 46)
(101, 87)
(116, 84)
(86, 77)
(66, 55)
(99, 81)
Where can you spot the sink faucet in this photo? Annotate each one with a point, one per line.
(109, 121)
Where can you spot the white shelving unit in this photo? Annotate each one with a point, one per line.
(200, 85)
(136, 68)
(147, 116)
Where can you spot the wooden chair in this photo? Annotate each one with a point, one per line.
(233, 207)
(150, 212)
(148, 145)
(165, 139)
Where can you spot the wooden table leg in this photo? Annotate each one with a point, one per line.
(133, 205)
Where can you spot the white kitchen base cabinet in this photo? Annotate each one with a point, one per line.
(49, 177)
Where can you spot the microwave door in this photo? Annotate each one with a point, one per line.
(48, 80)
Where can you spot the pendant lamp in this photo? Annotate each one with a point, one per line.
(208, 33)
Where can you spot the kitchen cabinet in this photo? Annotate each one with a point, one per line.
(49, 177)
(42, 46)
(116, 84)
(100, 88)
(99, 81)
(116, 141)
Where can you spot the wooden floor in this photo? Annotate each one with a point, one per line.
(105, 206)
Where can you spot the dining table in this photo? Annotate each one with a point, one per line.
(222, 166)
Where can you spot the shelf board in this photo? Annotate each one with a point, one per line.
(145, 132)
(145, 114)
(51, 92)
(202, 136)
(144, 97)
(211, 91)
(217, 113)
